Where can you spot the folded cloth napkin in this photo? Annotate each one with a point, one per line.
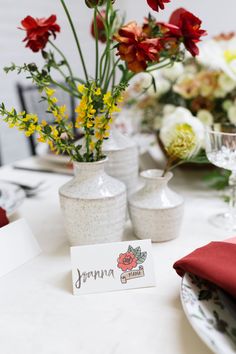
(3, 217)
(215, 262)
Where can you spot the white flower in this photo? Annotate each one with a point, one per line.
(232, 114)
(182, 134)
(205, 117)
(162, 85)
(219, 55)
(176, 113)
(168, 109)
(172, 73)
(226, 83)
(227, 104)
(157, 122)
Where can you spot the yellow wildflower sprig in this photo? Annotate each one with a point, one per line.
(94, 116)
(57, 138)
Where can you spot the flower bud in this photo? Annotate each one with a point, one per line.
(93, 3)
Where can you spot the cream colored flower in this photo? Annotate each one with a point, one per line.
(232, 114)
(172, 73)
(205, 117)
(227, 104)
(176, 113)
(168, 109)
(226, 83)
(183, 136)
(219, 55)
(187, 86)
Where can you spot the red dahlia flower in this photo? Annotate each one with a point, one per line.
(183, 24)
(100, 26)
(136, 48)
(157, 4)
(38, 31)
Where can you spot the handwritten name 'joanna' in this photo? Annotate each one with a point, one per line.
(93, 275)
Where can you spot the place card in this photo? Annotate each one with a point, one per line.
(112, 266)
(17, 246)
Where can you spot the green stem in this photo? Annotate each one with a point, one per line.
(64, 57)
(114, 73)
(76, 39)
(96, 43)
(111, 74)
(158, 67)
(64, 88)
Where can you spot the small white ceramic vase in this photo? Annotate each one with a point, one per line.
(123, 159)
(155, 210)
(93, 205)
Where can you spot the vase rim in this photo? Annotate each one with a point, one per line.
(99, 162)
(156, 174)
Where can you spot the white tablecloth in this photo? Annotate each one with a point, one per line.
(39, 314)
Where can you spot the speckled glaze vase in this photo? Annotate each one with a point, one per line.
(93, 205)
(123, 159)
(155, 210)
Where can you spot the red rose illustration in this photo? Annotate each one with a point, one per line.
(127, 261)
(157, 4)
(38, 31)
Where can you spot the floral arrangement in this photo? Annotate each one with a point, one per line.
(188, 96)
(130, 48)
(205, 85)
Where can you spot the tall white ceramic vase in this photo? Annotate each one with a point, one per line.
(155, 210)
(123, 159)
(93, 205)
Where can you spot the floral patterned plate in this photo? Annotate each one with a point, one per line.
(209, 314)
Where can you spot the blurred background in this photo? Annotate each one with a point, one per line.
(217, 17)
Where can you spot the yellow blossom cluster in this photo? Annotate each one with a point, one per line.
(52, 134)
(94, 114)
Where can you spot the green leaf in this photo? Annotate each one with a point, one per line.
(142, 257)
(137, 252)
(47, 129)
(131, 249)
(200, 158)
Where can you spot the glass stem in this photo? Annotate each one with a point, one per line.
(232, 203)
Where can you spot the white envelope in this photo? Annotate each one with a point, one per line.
(17, 246)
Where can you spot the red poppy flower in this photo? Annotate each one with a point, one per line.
(183, 24)
(38, 31)
(136, 48)
(100, 26)
(157, 4)
(127, 261)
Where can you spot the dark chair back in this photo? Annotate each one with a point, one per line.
(31, 102)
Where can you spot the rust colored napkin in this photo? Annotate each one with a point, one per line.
(3, 218)
(215, 262)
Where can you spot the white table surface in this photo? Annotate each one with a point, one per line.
(39, 314)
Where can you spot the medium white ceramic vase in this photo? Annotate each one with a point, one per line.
(123, 159)
(155, 210)
(93, 205)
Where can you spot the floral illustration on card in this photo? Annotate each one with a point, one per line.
(130, 263)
